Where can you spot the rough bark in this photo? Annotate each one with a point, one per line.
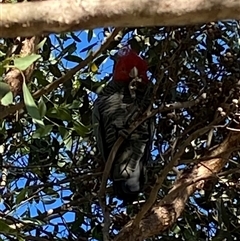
(166, 212)
(14, 77)
(54, 16)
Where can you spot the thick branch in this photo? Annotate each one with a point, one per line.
(54, 16)
(165, 213)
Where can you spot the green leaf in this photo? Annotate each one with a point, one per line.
(63, 132)
(176, 229)
(100, 60)
(80, 128)
(19, 238)
(5, 228)
(68, 143)
(90, 35)
(2, 54)
(2, 69)
(222, 235)
(48, 201)
(88, 47)
(4, 65)
(75, 104)
(49, 191)
(42, 131)
(32, 221)
(42, 107)
(96, 233)
(61, 163)
(46, 50)
(66, 136)
(41, 78)
(75, 37)
(135, 44)
(21, 195)
(73, 58)
(4, 89)
(78, 222)
(31, 107)
(55, 70)
(40, 45)
(188, 235)
(7, 99)
(63, 36)
(94, 68)
(24, 62)
(69, 49)
(63, 114)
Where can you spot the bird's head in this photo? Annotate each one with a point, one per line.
(129, 66)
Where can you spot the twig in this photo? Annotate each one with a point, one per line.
(177, 105)
(4, 170)
(108, 165)
(34, 238)
(6, 110)
(106, 216)
(232, 171)
(232, 129)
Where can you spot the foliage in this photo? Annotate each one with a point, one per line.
(50, 168)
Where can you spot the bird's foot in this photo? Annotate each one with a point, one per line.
(133, 86)
(124, 133)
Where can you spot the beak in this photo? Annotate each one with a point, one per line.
(133, 72)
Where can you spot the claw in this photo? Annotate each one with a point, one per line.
(124, 133)
(132, 92)
(133, 86)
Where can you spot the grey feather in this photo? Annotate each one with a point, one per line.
(114, 110)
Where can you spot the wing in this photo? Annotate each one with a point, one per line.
(129, 169)
(108, 118)
(110, 113)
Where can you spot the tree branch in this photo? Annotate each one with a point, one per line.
(70, 15)
(165, 213)
(161, 177)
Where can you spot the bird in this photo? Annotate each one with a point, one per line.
(117, 106)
